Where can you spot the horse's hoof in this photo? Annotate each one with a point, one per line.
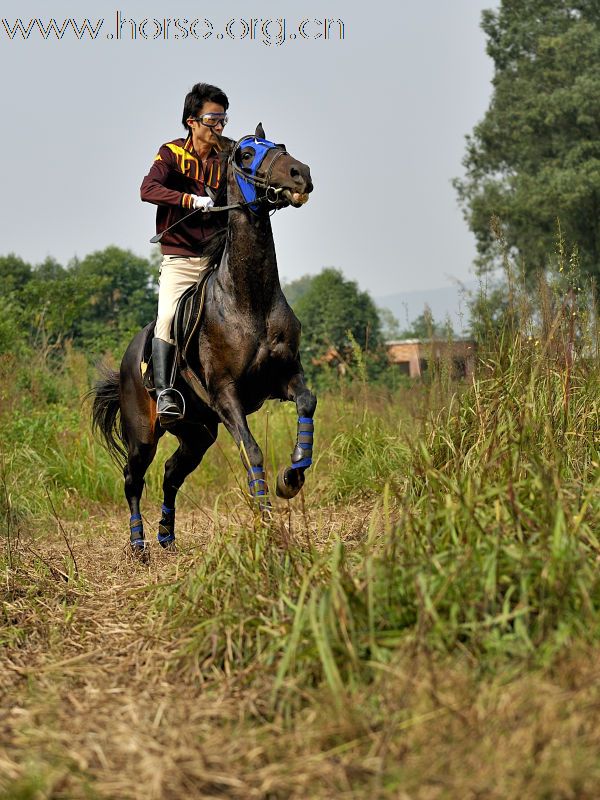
(266, 513)
(289, 482)
(140, 550)
(167, 542)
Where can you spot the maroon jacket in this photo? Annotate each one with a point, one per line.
(176, 174)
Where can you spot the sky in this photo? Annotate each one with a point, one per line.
(380, 115)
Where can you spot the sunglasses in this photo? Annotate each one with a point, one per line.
(212, 120)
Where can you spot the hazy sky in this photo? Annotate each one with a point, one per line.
(380, 116)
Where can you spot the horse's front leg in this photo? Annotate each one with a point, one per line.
(231, 413)
(291, 479)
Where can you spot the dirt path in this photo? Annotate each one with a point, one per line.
(88, 707)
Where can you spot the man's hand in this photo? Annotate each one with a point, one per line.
(204, 203)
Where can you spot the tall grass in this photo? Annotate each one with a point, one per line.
(439, 575)
(480, 500)
(48, 448)
(484, 538)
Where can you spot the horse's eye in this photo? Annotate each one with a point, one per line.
(246, 156)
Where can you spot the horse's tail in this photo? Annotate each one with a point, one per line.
(106, 415)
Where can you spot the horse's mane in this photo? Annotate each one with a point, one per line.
(215, 247)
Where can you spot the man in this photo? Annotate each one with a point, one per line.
(184, 173)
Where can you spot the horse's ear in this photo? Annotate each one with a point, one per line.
(260, 131)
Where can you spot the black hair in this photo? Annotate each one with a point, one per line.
(198, 95)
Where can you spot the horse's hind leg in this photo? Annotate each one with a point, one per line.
(139, 459)
(193, 444)
(291, 479)
(140, 432)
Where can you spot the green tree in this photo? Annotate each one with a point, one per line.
(97, 302)
(14, 274)
(535, 157)
(121, 296)
(13, 326)
(55, 299)
(425, 327)
(330, 309)
(390, 327)
(294, 290)
(123, 290)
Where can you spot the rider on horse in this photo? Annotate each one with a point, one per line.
(245, 347)
(185, 175)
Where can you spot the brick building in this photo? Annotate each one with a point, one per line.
(413, 356)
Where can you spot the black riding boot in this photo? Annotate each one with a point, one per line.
(169, 402)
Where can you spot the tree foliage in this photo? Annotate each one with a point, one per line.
(293, 290)
(121, 294)
(14, 274)
(332, 307)
(390, 327)
(535, 157)
(96, 303)
(425, 327)
(337, 317)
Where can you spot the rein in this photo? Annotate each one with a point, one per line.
(266, 198)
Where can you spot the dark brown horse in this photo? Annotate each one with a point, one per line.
(246, 350)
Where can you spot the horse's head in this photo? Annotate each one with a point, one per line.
(265, 171)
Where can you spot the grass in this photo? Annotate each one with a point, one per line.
(423, 621)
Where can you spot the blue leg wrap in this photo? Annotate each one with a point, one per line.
(256, 482)
(258, 486)
(302, 455)
(136, 532)
(166, 526)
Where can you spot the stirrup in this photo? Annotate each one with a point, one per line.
(171, 416)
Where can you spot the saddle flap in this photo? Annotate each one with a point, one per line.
(183, 314)
(188, 315)
(184, 327)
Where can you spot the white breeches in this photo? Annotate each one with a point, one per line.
(177, 273)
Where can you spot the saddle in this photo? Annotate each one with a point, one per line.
(186, 321)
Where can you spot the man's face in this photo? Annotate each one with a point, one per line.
(202, 134)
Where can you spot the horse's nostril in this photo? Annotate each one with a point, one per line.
(294, 172)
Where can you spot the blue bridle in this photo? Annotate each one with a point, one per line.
(247, 178)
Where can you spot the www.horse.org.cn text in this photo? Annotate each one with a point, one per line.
(269, 31)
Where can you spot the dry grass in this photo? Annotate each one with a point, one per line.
(90, 707)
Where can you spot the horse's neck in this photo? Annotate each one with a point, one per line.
(250, 269)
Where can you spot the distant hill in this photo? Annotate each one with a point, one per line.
(447, 301)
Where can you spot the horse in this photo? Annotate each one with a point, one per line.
(245, 351)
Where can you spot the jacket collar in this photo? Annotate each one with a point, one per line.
(189, 146)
